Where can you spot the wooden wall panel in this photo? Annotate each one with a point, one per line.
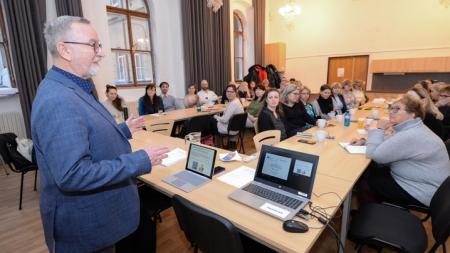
(275, 53)
(412, 65)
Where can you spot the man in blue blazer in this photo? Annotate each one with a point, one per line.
(88, 196)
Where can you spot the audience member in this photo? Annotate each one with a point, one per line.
(251, 89)
(169, 101)
(266, 84)
(444, 108)
(271, 115)
(114, 104)
(411, 164)
(206, 96)
(255, 106)
(338, 99)
(243, 90)
(349, 97)
(357, 90)
(191, 99)
(434, 89)
(305, 93)
(323, 105)
(150, 103)
(295, 115)
(433, 117)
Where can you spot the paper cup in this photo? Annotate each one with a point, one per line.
(321, 123)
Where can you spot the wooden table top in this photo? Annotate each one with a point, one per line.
(214, 197)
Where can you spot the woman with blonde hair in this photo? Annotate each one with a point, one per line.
(347, 93)
(357, 90)
(296, 117)
(433, 117)
(338, 99)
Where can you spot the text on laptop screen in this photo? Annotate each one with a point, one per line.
(289, 171)
(201, 160)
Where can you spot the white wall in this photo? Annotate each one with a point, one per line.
(167, 42)
(245, 11)
(383, 29)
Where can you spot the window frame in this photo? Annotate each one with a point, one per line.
(5, 44)
(129, 14)
(236, 34)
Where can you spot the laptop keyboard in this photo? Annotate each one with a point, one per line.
(191, 178)
(273, 196)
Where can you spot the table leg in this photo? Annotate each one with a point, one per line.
(344, 219)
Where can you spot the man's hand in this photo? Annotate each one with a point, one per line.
(156, 154)
(135, 124)
(358, 142)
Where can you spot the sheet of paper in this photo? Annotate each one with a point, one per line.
(174, 156)
(353, 149)
(238, 177)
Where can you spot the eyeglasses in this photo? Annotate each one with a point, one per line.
(295, 93)
(444, 96)
(230, 91)
(95, 45)
(304, 93)
(394, 109)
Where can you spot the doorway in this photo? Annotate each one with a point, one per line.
(353, 67)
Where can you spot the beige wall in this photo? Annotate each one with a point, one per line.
(383, 29)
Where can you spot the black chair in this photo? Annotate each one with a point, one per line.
(15, 161)
(205, 230)
(388, 226)
(198, 124)
(236, 123)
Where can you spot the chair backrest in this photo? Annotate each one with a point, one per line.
(269, 137)
(440, 212)
(255, 125)
(199, 124)
(208, 231)
(163, 127)
(5, 139)
(237, 122)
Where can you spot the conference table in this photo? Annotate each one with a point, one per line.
(336, 175)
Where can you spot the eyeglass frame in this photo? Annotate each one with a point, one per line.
(96, 46)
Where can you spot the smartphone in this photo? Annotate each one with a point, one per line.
(218, 169)
(311, 142)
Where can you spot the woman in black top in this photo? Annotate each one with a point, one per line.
(296, 117)
(271, 115)
(323, 105)
(150, 103)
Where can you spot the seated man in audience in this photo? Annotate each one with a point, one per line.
(168, 100)
(205, 95)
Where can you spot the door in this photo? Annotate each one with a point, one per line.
(353, 67)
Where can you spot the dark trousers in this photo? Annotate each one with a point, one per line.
(378, 185)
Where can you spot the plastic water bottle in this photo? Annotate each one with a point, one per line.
(347, 119)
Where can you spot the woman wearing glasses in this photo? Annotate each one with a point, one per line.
(411, 164)
(295, 114)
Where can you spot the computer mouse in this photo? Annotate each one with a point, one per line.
(293, 226)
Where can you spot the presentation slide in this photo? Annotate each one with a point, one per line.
(303, 168)
(276, 166)
(201, 159)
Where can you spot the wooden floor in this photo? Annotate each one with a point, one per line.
(21, 231)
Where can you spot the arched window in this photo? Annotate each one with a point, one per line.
(129, 31)
(238, 29)
(6, 77)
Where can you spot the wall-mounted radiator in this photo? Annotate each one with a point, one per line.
(12, 122)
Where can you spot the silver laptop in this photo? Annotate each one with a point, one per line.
(283, 182)
(199, 169)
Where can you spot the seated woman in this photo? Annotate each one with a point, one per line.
(243, 90)
(150, 103)
(323, 106)
(114, 104)
(415, 161)
(233, 107)
(191, 98)
(360, 96)
(271, 115)
(305, 93)
(255, 106)
(347, 93)
(433, 117)
(295, 115)
(338, 100)
(251, 89)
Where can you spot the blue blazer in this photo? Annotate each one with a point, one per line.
(88, 196)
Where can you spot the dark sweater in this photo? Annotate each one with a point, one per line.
(267, 121)
(434, 124)
(296, 118)
(150, 108)
(446, 122)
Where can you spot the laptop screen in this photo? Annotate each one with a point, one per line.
(288, 170)
(201, 160)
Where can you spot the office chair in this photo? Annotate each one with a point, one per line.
(388, 226)
(236, 123)
(269, 137)
(205, 230)
(15, 161)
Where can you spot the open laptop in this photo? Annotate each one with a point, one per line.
(198, 171)
(283, 182)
